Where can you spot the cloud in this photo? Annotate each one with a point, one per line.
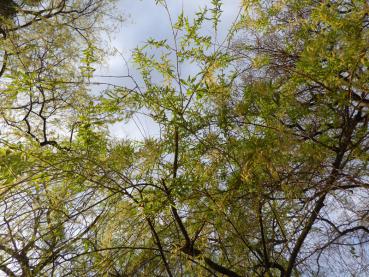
(146, 20)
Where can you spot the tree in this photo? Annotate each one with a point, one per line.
(260, 169)
(312, 58)
(48, 49)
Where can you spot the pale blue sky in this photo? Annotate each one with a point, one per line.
(145, 19)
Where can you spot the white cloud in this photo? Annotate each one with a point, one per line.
(146, 20)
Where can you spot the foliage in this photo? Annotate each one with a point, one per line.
(260, 169)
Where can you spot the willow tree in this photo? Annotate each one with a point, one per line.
(309, 79)
(260, 168)
(47, 49)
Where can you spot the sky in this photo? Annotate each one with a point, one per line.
(143, 20)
